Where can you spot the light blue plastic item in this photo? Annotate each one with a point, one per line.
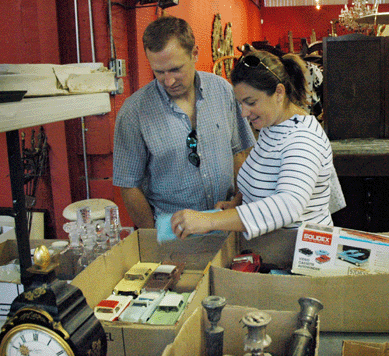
(164, 227)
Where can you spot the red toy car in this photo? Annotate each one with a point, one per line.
(246, 262)
(322, 259)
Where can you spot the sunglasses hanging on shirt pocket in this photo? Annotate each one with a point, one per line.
(191, 142)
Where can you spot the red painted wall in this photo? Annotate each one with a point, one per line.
(40, 31)
(29, 34)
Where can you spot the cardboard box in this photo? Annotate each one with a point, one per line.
(360, 348)
(355, 303)
(100, 277)
(334, 251)
(191, 338)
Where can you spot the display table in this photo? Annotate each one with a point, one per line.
(362, 166)
(361, 157)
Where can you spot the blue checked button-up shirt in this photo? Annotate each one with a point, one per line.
(150, 145)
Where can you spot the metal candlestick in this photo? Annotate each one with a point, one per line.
(256, 340)
(302, 337)
(214, 334)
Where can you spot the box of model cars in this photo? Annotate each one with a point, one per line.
(334, 251)
(246, 331)
(142, 291)
(352, 303)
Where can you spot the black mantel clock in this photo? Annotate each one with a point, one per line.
(51, 317)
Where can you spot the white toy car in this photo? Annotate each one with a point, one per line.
(143, 307)
(109, 309)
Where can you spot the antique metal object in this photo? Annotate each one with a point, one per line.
(214, 334)
(256, 339)
(302, 337)
(42, 256)
(222, 46)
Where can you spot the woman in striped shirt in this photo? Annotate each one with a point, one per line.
(286, 178)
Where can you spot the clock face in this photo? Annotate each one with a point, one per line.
(31, 340)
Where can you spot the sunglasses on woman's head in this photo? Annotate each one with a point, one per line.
(251, 61)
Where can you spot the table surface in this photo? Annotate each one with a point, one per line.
(358, 146)
(361, 157)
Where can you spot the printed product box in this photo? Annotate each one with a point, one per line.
(334, 251)
(191, 338)
(101, 276)
(352, 303)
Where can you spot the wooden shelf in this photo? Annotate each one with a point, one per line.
(42, 110)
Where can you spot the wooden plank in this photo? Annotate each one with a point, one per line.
(42, 110)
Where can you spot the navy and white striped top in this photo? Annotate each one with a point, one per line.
(285, 179)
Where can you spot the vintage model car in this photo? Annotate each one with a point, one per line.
(246, 262)
(322, 259)
(164, 277)
(110, 309)
(354, 256)
(135, 278)
(305, 251)
(322, 252)
(170, 308)
(141, 308)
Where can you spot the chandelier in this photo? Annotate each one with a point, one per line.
(359, 8)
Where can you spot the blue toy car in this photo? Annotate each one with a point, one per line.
(354, 256)
(322, 252)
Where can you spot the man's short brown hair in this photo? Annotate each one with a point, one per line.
(159, 32)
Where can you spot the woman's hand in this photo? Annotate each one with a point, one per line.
(187, 222)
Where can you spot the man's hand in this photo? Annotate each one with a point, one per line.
(223, 205)
(230, 204)
(187, 222)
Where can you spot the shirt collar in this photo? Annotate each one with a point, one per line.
(198, 88)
